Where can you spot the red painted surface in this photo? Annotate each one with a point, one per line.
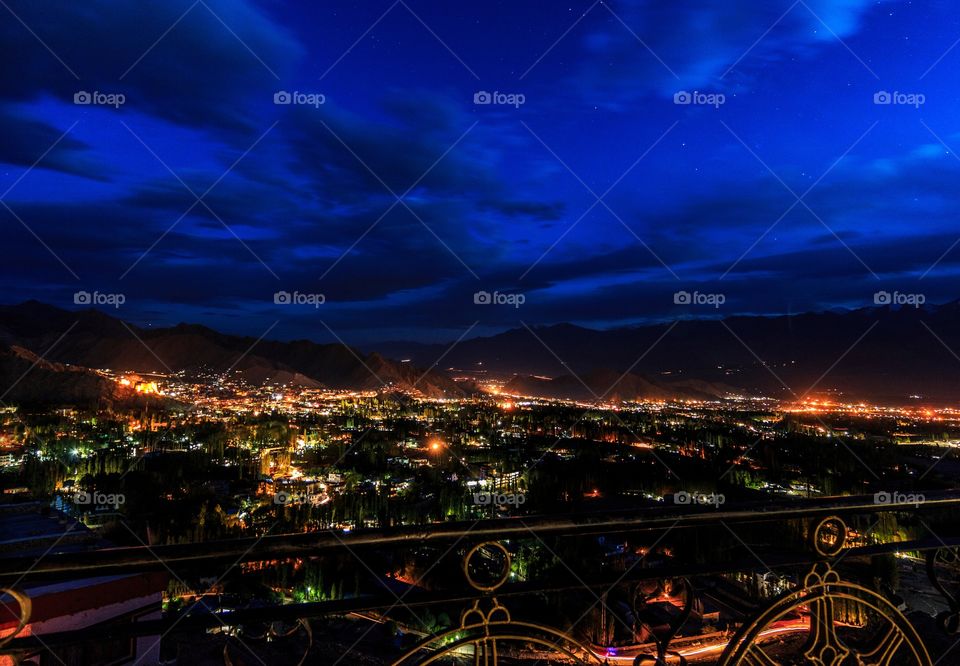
(56, 603)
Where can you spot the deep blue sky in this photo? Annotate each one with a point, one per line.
(293, 198)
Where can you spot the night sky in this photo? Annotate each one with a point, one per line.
(783, 185)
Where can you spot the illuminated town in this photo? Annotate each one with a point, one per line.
(210, 457)
(344, 449)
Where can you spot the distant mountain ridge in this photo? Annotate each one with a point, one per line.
(92, 339)
(26, 378)
(880, 354)
(886, 354)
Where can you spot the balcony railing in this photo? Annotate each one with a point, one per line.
(786, 581)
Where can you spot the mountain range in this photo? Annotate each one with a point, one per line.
(90, 339)
(883, 354)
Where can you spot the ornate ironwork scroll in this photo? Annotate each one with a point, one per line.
(827, 621)
(487, 624)
(26, 608)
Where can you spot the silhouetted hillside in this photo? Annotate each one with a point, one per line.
(94, 340)
(883, 354)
